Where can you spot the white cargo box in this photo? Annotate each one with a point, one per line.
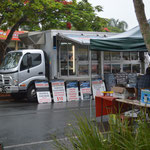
(122, 92)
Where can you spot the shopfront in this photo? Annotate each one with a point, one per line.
(74, 60)
(115, 62)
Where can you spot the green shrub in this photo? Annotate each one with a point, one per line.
(123, 135)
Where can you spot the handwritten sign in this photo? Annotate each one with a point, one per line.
(98, 87)
(72, 90)
(44, 97)
(58, 88)
(43, 93)
(85, 90)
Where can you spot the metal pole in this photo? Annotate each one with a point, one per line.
(90, 70)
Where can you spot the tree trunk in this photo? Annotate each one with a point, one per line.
(143, 23)
(3, 45)
(1, 51)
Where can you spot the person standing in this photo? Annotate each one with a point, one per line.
(142, 82)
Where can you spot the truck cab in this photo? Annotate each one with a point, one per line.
(20, 69)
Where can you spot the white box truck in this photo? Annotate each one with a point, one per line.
(20, 69)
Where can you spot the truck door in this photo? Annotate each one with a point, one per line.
(31, 67)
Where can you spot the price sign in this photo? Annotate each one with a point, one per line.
(58, 89)
(72, 91)
(44, 97)
(98, 87)
(43, 93)
(85, 90)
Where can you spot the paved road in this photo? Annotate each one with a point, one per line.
(31, 126)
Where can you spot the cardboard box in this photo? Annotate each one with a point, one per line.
(145, 96)
(122, 92)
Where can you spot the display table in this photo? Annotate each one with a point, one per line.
(106, 105)
(133, 102)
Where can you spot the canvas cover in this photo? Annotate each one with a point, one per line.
(131, 40)
(84, 39)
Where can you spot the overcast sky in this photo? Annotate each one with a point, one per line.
(121, 9)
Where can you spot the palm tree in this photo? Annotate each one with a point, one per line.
(122, 25)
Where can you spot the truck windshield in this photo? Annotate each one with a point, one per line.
(11, 60)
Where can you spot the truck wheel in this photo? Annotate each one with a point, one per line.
(31, 94)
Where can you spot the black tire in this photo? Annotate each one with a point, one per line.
(31, 94)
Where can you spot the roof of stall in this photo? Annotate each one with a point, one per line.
(83, 38)
(80, 37)
(131, 40)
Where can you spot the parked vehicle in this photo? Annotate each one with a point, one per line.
(20, 69)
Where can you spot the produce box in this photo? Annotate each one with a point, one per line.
(122, 92)
(107, 93)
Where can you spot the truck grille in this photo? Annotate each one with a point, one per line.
(7, 81)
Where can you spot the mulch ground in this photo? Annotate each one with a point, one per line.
(5, 96)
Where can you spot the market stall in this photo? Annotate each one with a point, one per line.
(124, 59)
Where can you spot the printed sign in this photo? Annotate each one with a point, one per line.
(43, 84)
(43, 93)
(44, 97)
(58, 89)
(85, 90)
(4, 34)
(98, 87)
(72, 90)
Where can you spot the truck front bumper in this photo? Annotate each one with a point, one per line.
(9, 89)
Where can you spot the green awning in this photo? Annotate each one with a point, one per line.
(118, 44)
(131, 40)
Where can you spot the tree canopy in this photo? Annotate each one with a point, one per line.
(114, 25)
(47, 14)
(14, 14)
(81, 16)
(35, 15)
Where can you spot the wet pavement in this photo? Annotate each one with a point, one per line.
(32, 126)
